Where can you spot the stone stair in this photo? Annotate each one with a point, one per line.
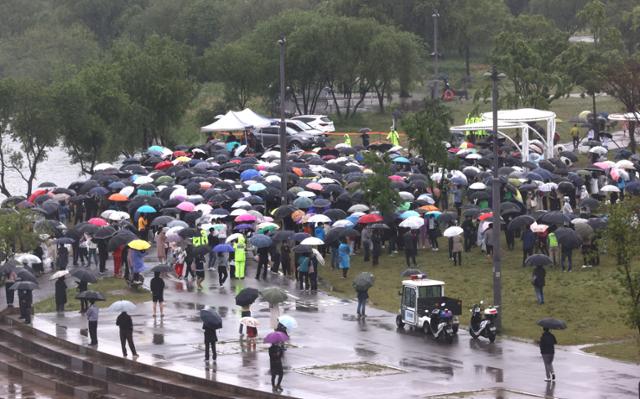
(85, 373)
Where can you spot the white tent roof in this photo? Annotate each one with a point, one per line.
(485, 125)
(629, 116)
(233, 121)
(521, 115)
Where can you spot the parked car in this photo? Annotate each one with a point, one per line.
(320, 122)
(300, 126)
(270, 136)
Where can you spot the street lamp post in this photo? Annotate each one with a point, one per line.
(283, 126)
(435, 16)
(495, 188)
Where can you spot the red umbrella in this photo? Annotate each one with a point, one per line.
(36, 194)
(98, 222)
(485, 216)
(163, 165)
(370, 218)
(179, 153)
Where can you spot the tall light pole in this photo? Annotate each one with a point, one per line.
(495, 188)
(436, 83)
(283, 126)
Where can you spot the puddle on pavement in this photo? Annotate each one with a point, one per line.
(495, 393)
(345, 371)
(233, 347)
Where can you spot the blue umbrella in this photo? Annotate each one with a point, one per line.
(117, 185)
(155, 148)
(254, 188)
(146, 209)
(299, 236)
(435, 214)
(231, 145)
(101, 191)
(243, 226)
(303, 203)
(459, 181)
(408, 214)
(400, 160)
(223, 248)
(260, 241)
(249, 174)
(288, 322)
(353, 219)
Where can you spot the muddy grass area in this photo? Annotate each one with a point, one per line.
(343, 371)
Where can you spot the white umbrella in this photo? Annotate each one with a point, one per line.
(241, 204)
(610, 189)
(319, 219)
(306, 194)
(538, 228)
(58, 274)
(548, 187)
(318, 256)
(143, 180)
(204, 208)
(233, 237)
(342, 223)
(271, 154)
(412, 222)
(453, 231)
(436, 177)
(272, 178)
(312, 241)
(473, 156)
(118, 216)
(27, 258)
(107, 213)
(238, 212)
(407, 196)
(579, 220)
(358, 208)
(122, 306)
(102, 166)
(598, 150)
(180, 192)
(426, 198)
(239, 150)
(478, 186)
(127, 191)
(624, 164)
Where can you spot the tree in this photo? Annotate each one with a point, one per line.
(427, 131)
(623, 83)
(16, 232)
(594, 17)
(27, 114)
(157, 79)
(93, 116)
(377, 187)
(562, 13)
(623, 237)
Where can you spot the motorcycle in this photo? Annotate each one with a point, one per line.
(483, 322)
(439, 324)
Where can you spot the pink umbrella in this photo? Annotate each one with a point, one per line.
(314, 186)
(98, 222)
(245, 218)
(605, 165)
(186, 206)
(396, 178)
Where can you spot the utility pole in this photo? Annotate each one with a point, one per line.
(436, 84)
(495, 188)
(283, 126)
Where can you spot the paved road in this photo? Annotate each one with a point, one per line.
(381, 362)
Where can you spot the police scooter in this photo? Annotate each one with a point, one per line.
(438, 323)
(483, 322)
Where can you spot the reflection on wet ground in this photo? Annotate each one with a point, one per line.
(14, 388)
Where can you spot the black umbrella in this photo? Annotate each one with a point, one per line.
(302, 249)
(554, 217)
(26, 275)
(597, 223)
(87, 228)
(162, 220)
(568, 238)
(161, 268)
(591, 203)
(83, 274)
(551, 323)
(300, 236)
(520, 222)
(282, 235)
(538, 260)
(23, 285)
(363, 281)
(211, 318)
(122, 237)
(104, 232)
(284, 211)
(410, 272)
(447, 217)
(378, 226)
(65, 241)
(201, 250)
(247, 296)
(90, 296)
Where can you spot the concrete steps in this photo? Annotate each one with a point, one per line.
(83, 372)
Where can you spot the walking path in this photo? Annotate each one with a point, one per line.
(334, 355)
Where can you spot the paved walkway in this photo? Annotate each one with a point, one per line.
(332, 354)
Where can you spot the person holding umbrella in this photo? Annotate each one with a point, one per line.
(83, 285)
(211, 321)
(361, 284)
(92, 319)
(276, 352)
(157, 293)
(10, 278)
(263, 262)
(222, 260)
(60, 294)
(303, 270)
(25, 299)
(547, 350)
(538, 281)
(566, 253)
(363, 295)
(125, 324)
(344, 253)
(240, 257)
(285, 258)
(410, 247)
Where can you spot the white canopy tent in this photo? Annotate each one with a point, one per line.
(523, 116)
(234, 121)
(488, 125)
(628, 117)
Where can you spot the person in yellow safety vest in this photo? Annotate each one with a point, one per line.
(393, 137)
(240, 256)
(467, 121)
(202, 239)
(347, 139)
(479, 132)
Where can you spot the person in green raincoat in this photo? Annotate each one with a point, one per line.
(240, 256)
(393, 137)
(347, 139)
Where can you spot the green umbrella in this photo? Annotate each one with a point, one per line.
(163, 180)
(274, 295)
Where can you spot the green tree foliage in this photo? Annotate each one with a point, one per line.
(622, 81)
(93, 116)
(623, 238)
(18, 15)
(158, 81)
(377, 187)
(526, 53)
(562, 13)
(427, 131)
(16, 232)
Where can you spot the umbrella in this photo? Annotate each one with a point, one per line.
(453, 231)
(312, 241)
(122, 306)
(58, 274)
(520, 222)
(299, 236)
(247, 296)
(223, 248)
(146, 209)
(104, 232)
(410, 272)
(302, 249)
(26, 275)
(83, 274)
(233, 237)
(100, 222)
(27, 258)
(90, 296)
(319, 219)
(161, 268)
(211, 318)
(65, 241)
(370, 218)
(551, 323)
(414, 223)
(162, 220)
(249, 322)
(584, 231)
(289, 322)
(597, 223)
(274, 295)
(363, 281)
(554, 217)
(568, 237)
(282, 235)
(139, 245)
(538, 260)
(23, 285)
(276, 337)
(260, 241)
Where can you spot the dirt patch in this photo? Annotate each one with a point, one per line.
(344, 371)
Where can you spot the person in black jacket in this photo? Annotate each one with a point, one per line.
(25, 299)
(547, 350)
(103, 255)
(263, 262)
(157, 293)
(61, 294)
(363, 295)
(82, 287)
(275, 361)
(210, 339)
(538, 281)
(410, 247)
(126, 333)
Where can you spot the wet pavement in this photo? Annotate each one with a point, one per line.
(332, 354)
(15, 388)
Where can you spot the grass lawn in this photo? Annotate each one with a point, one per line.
(114, 289)
(587, 299)
(625, 350)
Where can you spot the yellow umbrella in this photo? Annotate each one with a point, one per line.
(139, 245)
(183, 159)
